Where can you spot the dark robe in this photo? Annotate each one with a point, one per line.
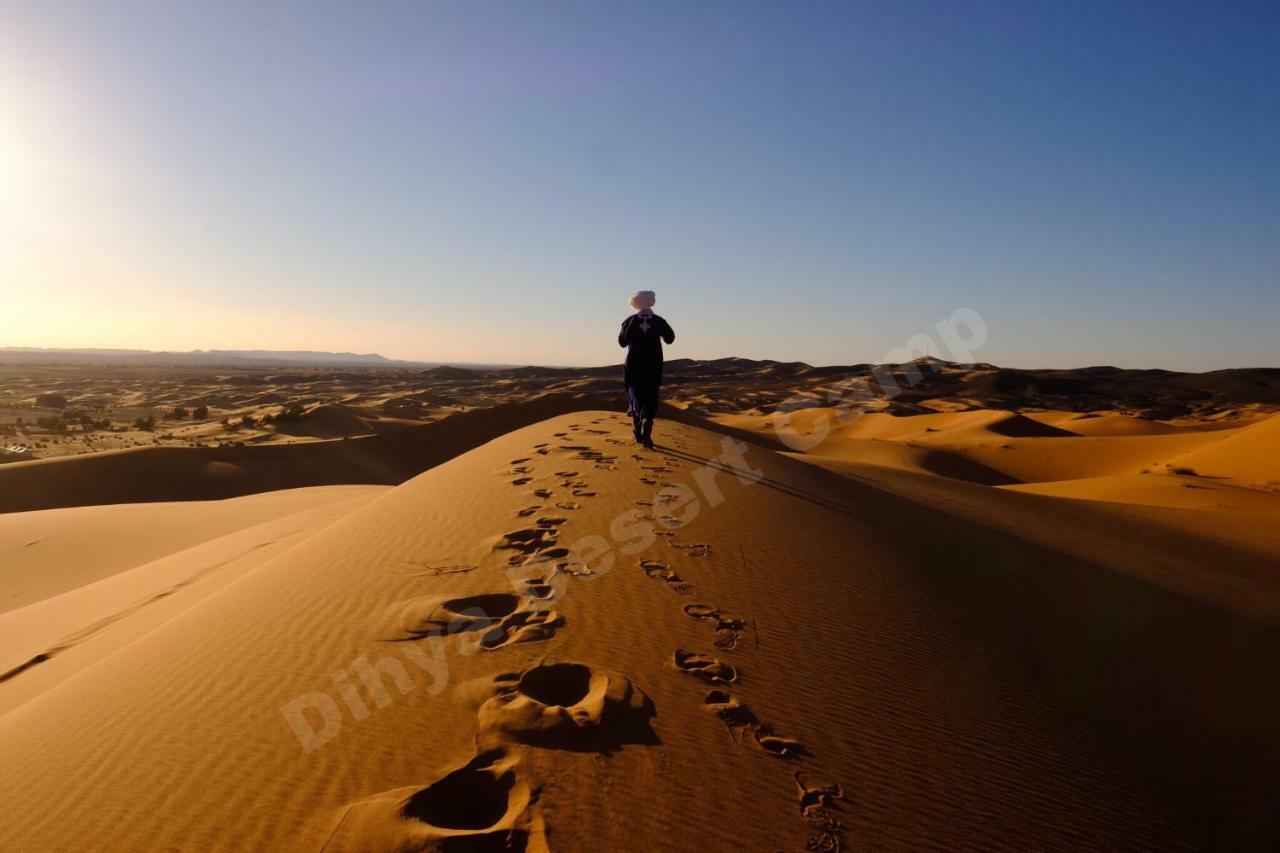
(642, 374)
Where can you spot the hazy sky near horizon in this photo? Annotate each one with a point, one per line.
(479, 181)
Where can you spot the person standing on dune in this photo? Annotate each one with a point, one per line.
(642, 334)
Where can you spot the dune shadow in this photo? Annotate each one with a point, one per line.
(955, 467)
(767, 482)
(1021, 426)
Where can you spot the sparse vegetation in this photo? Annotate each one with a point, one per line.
(291, 412)
(51, 401)
(200, 413)
(146, 424)
(51, 423)
(179, 413)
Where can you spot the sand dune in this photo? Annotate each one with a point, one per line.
(65, 408)
(1104, 424)
(327, 421)
(1250, 456)
(1168, 490)
(1227, 557)
(789, 663)
(47, 642)
(980, 422)
(47, 552)
(999, 448)
(204, 473)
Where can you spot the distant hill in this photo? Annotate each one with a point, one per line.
(206, 358)
(722, 385)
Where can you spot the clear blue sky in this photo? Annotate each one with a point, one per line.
(488, 181)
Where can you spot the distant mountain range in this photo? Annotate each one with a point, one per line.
(208, 358)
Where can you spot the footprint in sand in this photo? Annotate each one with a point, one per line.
(568, 706)
(566, 473)
(529, 510)
(734, 714)
(729, 629)
(520, 481)
(551, 521)
(518, 461)
(704, 667)
(568, 505)
(660, 570)
(649, 481)
(519, 469)
(816, 804)
(542, 493)
(583, 493)
(526, 540)
(502, 618)
(574, 569)
(483, 805)
(695, 549)
(740, 720)
(772, 742)
(543, 587)
(820, 796)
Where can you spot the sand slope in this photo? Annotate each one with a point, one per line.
(1250, 456)
(49, 641)
(47, 552)
(966, 689)
(1168, 490)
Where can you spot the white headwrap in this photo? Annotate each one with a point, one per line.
(643, 300)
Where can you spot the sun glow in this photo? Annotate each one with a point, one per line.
(17, 157)
(11, 158)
